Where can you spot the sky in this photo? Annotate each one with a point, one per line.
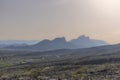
(47, 19)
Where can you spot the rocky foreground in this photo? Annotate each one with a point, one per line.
(67, 72)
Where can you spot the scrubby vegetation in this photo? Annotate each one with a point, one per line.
(83, 64)
(66, 72)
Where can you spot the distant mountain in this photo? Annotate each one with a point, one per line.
(85, 42)
(11, 42)
(6, 43)
(57, 43)
(61, 43)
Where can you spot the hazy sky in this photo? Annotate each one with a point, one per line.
(47, 19)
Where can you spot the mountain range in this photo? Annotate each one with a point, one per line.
(60, 43)
(5, 43)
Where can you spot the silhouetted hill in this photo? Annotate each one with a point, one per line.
(46, 45)
(86, 42)
(61, 43)
(58, 43)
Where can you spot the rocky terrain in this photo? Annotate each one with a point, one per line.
(97, 63)
(66, 72)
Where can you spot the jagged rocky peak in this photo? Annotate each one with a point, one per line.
(56, 40)
(83, 37)
(60, 39)
(46, 40)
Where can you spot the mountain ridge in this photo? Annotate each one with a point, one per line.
(61, 43)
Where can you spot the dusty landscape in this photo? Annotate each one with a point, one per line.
(97, 63)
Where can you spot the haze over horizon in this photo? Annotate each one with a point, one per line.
(47, 19)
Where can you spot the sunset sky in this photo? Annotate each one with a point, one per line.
(47, 19)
